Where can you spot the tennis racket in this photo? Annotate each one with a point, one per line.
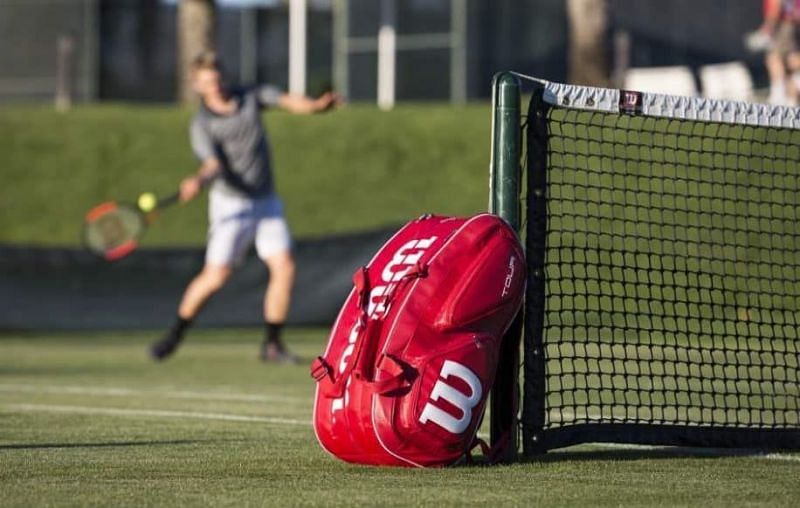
(112, 230)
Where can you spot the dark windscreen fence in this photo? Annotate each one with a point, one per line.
(73, 289)
(664, 244)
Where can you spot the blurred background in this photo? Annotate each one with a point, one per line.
(94, 106)
(444, 50)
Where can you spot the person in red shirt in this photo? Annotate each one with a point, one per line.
(781, 18)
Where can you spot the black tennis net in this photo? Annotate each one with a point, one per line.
(664, 256)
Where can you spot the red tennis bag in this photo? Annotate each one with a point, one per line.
(413, 353)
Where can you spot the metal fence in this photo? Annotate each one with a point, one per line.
(29, 47)
(139, 52)
(126, 49)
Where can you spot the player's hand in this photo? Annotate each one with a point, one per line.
(190, 188)
(327, 102)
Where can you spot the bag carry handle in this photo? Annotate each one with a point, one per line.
(321, 369)
(360, 363)
(402, 377)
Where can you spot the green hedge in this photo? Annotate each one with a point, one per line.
(354, 169)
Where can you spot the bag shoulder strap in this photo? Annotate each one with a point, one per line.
(369, 327)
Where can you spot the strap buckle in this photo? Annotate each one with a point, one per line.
(320, 369)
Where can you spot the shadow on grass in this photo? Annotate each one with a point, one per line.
(66, 370)
(642, 454)
(620, 454)
(111, 444)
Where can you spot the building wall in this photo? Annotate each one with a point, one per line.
(688, 32)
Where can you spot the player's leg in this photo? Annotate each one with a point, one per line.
(202, 287)
(793, 71)
(197, 293)
(278, 295)
(273, 243)
(228, 241)
(277, 299)
(792, 62)
(778, 93)
(782, 90)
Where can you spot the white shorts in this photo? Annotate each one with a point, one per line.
(236, 223)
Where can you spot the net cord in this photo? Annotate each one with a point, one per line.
(607, 100)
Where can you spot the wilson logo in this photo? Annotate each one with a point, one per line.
(630, 102)
(338, 404)
(402, 262)
(444, 391)
(512, 268)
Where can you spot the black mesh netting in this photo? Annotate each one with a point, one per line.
(671, 288)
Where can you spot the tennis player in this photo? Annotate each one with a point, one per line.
(781, 19)
(230, 142)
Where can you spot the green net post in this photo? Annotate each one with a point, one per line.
(504, 200)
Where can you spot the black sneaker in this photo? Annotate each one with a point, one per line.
(274, 352)
(165, 347)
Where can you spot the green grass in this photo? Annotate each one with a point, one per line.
(353, 169)
(636, 264)
(88, 420)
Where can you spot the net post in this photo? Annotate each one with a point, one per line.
(504, 201)
(533, 410)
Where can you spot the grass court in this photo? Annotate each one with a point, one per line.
(88, 418)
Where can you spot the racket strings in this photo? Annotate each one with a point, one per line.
(115, 227)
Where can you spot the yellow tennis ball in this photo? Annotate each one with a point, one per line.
(147, 201)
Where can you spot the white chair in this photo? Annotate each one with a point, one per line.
(667, 80)
(730, 81)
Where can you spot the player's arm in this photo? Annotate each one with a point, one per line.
(302, 105)
(210, 166)
(273, 97)
(192, 185)
(772, 15)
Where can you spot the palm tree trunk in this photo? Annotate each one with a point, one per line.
(588, 42)
(196, 21)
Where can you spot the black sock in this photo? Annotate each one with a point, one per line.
(179, 327)
(272, 333)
